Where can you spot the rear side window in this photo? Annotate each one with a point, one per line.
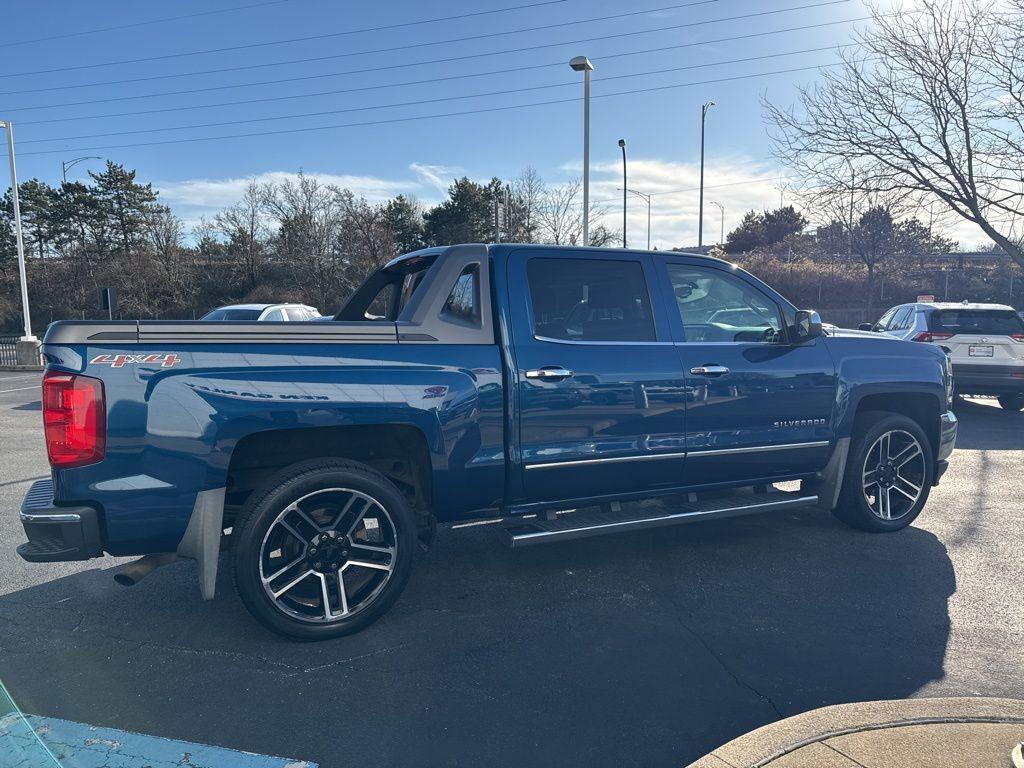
(464, 300)
(992, 322)
(590, 300)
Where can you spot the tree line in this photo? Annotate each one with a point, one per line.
(296, 240)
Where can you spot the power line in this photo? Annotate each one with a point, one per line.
(84, 32)
(383, 68)
(560, 62)
(389, 121)
(392, 49)
(419, 102)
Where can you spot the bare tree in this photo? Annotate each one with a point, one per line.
(244, 227)
(928, 103)
(560, 217)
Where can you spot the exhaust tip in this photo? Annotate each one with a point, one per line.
(125, 580)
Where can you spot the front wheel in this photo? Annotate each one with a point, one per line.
(888, 473)
(1012, 402)
(324, 550)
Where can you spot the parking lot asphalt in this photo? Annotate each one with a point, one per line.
(644, 649)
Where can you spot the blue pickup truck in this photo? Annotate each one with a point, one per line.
(558, 392)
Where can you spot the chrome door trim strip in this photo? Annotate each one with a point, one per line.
(677, 455)
(758, 448)
(604, 343)
(606, 460)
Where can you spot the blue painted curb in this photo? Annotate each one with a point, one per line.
(46, 742)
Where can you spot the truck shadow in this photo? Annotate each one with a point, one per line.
(646, 649)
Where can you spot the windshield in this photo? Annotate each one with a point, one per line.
(233, 314)
(993, 322)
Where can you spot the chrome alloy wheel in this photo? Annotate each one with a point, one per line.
(328, 555)
(894, 473)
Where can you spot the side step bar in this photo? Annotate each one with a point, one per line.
(633, 517)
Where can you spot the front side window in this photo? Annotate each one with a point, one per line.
(717, 307)
(590, 300)
(464, 300)
(901, 320)
(883, 321)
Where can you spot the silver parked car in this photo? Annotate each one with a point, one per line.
(263, 312)
(986, 343)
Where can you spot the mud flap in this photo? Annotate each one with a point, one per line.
(201, 541)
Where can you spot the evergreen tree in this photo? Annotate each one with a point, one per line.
(403, 217)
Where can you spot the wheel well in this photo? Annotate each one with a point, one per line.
(924, 409)
(397, 451)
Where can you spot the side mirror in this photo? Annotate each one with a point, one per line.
(807, 325)
(866, 327)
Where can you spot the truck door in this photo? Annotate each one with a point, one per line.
(600, 396)
(760, 406)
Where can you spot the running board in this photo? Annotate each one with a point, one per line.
(634, 517)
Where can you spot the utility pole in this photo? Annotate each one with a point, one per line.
(582, 64)
(622, 146)
(17, 233)
(700, 215)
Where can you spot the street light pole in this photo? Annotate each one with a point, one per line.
(65, 164)
(704, 109)
(622, 146)
(17, 232)
(647, 199)
(582, 64)
(721, 208)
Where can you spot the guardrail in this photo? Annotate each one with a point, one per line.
(9, 350)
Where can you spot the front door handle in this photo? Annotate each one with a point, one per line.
(549, 373)
(709, 370)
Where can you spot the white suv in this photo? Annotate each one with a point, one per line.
(986, 343)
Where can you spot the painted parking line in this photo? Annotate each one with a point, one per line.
(76, 745)
(18, 389)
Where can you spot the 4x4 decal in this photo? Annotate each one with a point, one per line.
(119, 361)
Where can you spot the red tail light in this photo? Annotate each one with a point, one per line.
(74, 419)
(1017, 336)
(932, 336)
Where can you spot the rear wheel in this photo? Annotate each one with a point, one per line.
(1012, 402)
(888, 473)
(324, 550)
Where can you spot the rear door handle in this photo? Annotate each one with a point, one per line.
(709, 370)
(549, 373)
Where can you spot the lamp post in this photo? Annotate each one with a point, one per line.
(622, 146)
(647, 199)
(582, 64)
(721, 208)
(19, 239)
(65, 164)
(704, 109)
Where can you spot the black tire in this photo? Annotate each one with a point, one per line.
(1012, 402)
(855, 508)
(324, 486)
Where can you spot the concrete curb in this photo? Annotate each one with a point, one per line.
(778, 741)
(22, 368)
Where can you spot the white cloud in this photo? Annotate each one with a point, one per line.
(439, 177)
(737, 183)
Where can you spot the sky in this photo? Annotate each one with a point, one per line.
(402, 97)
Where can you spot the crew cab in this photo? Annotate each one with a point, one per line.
(557, 392)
